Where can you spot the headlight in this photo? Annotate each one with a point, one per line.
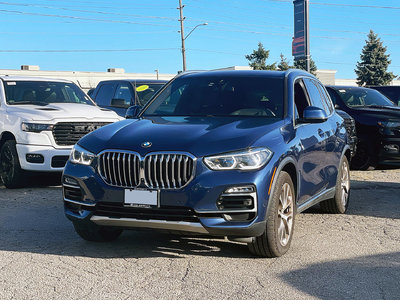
(81, 156)
(252, 159)
(35, 127)
(390, 124)
(389, 127)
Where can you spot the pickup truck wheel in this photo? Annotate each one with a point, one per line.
(95, 233)
(276, 239)
(10, 170)
(339, 203)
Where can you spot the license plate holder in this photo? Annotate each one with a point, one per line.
(141, 198)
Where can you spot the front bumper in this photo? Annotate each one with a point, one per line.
(390, 151)
(192, 209)
(53, 159)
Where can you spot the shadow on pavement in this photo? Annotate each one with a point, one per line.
(372, 199)
(365, 277)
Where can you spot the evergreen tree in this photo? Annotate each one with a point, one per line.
(257, 60)
(372, 69)
(301, 63)
(284, 64)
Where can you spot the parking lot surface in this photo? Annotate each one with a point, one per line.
(352, 256)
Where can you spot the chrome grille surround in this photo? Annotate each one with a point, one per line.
(156, 170)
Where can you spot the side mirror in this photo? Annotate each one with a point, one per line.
(132, 112)
(119, 103)
(314, 114)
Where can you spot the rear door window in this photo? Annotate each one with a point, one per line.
(105, 94)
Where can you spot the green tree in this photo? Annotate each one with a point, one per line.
(284, 64)
(257, 60)
(301, 63)
(372, 69)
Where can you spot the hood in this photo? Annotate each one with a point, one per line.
(370, 115)
(196, 135)
(63, 111)
(390, 111)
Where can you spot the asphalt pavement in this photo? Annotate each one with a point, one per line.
(352, 256)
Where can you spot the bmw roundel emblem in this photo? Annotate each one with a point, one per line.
(146, 144)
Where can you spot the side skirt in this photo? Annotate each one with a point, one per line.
(321, 196)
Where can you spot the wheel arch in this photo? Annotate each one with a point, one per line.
(6, 136)
(288, 165)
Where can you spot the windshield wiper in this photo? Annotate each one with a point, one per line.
(41, 103)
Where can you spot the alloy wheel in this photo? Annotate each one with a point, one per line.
(285, 214)
(345, 184)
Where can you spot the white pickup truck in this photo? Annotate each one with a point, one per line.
(40, 120)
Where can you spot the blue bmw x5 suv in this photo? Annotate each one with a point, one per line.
(223, 153)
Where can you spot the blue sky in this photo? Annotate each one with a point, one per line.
(143, 35)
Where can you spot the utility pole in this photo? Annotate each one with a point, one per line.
(182, 35)
(307, 34)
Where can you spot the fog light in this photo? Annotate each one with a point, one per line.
(35, 158)
(240, 189)
(70, 181)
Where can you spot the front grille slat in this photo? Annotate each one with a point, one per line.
(129, 170)
(109, 168)
(154, 171)
(68, 133)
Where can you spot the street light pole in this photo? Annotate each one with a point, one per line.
(183, 37)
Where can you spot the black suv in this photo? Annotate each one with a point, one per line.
(377, 123)
(118, 95)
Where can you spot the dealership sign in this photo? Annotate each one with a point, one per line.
(300, 44)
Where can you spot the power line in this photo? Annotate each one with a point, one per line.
(109, 7)
(84, 50)
(338, 4)
(84, 33)
(167, 18)
(85, 11)
(81, 18)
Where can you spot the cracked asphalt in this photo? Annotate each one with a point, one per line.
(352, 256)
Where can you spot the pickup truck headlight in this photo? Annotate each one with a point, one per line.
(389, 127)
(252, 159)
(81, 156)
(35, 127)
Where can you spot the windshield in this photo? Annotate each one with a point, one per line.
(248, 96)
(361, 97)
(43, 93)
(144, 92)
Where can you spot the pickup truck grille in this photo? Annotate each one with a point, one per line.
(155, 171)
(69, 133)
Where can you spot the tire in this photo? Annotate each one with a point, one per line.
(10, 169)
(276, 239)
(363, 160)
(339, 203)
(95, 233)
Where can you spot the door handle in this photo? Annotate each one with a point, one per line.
(321, 133)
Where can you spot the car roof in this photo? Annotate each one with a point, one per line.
(140, 81)
(240, 73)
(28, 78)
